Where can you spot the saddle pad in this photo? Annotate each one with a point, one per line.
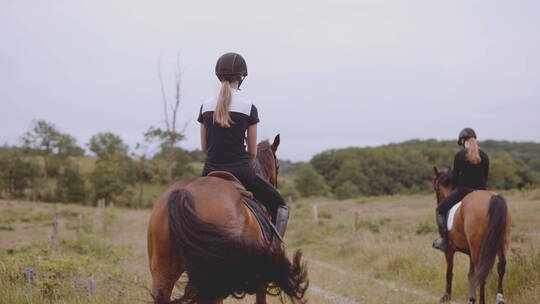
(269, 230)
(451, 215)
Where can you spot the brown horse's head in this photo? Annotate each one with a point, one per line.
(267, 164)
(442, 183)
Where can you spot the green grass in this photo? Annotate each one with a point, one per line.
(63, 275)
(393, 243)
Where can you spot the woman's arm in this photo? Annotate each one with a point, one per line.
(251, 141)
(486, 168)
(203, 138)
(456, 171)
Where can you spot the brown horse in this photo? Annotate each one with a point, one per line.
(201, 226)
(481, 229)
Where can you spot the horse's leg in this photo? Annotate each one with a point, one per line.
(220, 301)
(165, 273)
(449, 274)
(482, 293)
(501, 268)
(260, 297)
(472, 285)
(162, 287)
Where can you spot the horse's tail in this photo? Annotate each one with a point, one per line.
(220, 263)
(493, 240)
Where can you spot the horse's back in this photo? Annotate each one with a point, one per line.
(474, 215)
(217, 200)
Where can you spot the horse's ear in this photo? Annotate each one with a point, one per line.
(275, 144)
(436, 171)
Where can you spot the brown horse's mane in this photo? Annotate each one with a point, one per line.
(445, 177)
(265, 157)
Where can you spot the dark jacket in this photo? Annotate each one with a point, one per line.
(468, 175)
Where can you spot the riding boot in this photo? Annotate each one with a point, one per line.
(282, 217)
(441, 244)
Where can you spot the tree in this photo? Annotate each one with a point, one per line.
(346, 190)
(46, 138)
(109, 179)
(114, 169)
(170, 135)
(288, 191)
(107, 146)
(310, 183)
(70, 187)
(16, 175)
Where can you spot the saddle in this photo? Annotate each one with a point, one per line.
(261, 214)
(236, 182)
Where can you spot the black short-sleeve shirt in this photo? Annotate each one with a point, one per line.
(227, 145)
(470, 175)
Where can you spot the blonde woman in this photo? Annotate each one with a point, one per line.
(228, 123)
(470, 172)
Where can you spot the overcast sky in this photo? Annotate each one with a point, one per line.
(324, 74)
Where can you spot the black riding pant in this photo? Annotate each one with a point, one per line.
(453, 198)
(262, 190)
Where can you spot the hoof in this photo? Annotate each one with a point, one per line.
(445, 298)
(472, 301)
(500, 299)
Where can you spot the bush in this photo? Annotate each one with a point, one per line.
(310, 183)
(288, 191)
(346, 190)
(70, 186)
(110, 178)
(17, 175)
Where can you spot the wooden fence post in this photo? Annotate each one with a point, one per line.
(79, 223)
(355, 222)
(97, 215)
(54, 237)
(315, 213)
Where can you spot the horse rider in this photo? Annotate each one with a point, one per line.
(224, 121)
(470, 172)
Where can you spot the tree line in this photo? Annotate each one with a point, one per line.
(47, 166)
(407, 168)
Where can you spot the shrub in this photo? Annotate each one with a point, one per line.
(310, 183)
(288, 191)
(346, 190)
(70, 185)
(17, 175)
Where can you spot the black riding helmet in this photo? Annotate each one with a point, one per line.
(464, 134)
(231, 67)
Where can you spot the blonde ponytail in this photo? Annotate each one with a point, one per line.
(221, 114)
(472, 151)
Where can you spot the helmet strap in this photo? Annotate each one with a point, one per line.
(241, 78)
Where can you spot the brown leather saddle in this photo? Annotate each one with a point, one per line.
(261, 214)
(230, 177)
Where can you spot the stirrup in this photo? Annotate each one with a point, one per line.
(440, 244)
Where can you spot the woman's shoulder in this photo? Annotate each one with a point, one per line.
(460, 154)
(482, 154)
(209, 104)
(242, 104)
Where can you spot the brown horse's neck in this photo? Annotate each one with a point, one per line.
(265, 164)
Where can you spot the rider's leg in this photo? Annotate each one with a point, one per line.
(272, 200)
(262, 190)
(442, 210)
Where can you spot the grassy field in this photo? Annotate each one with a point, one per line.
(387, 260)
